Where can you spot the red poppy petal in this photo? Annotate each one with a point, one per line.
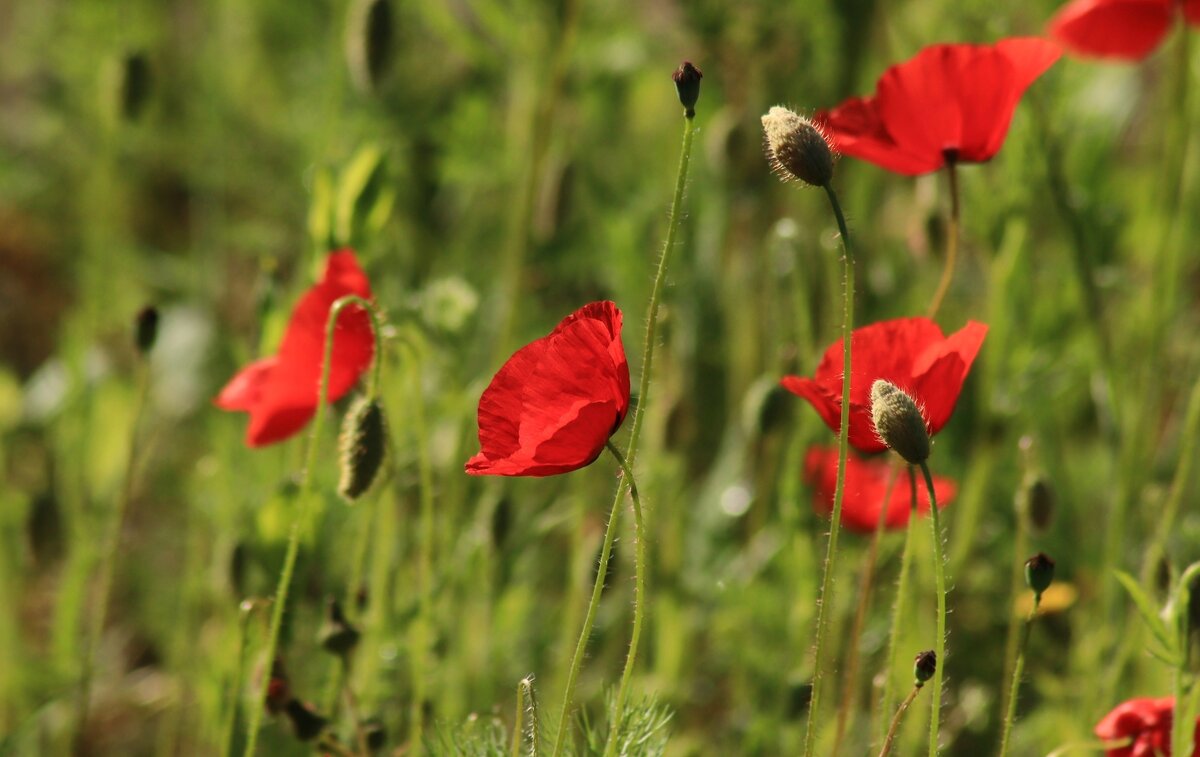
(866, 488)
(1191, 12)
(1124, 29)
(920, 100)
(244, 390)
(1026, 59)
(855, 128)
(942, 368)
(500, 407)
(268, 426)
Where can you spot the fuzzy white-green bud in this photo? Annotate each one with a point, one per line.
(899, 422)
(796, 148)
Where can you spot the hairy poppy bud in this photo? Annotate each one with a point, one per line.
(337, 635)
(306, 723)
(363, 443)
(1039, 572)
(899, 422)
(687, 82)
(146, 329)
(796, 148)
(924, 666)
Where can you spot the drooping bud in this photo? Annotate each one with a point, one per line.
(796, 148)
(1039, 573)
(899, 422)
(306, 723)
(338, 635)
(370, 42)
(363, 444)
(145, 329)
(687, 82)
(924, 666)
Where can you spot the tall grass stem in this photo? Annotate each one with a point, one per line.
(939, 577)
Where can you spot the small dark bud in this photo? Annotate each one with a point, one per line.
(363, 444)
(145, 329)
(306, 723)
(899, 422)
(687, 82)
(1041, 504)
(924, 666)
(337, 635)
(279, 690)
(136, 82)
(375, 734)
(1039, 572)
(796, 148)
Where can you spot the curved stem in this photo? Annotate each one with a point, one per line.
(939, 574)
(891, 734)
(1010, 712)
(951, 244)
(849, 680)
(835, 523)
(901, 595)
(631, 451)
(303, 500)
(639, 602)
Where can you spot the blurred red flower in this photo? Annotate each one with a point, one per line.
(1147, 722)
(866, 485)
(912, 353)
(554, 404)
(948, 102)
(280, 392)
(1122, 29)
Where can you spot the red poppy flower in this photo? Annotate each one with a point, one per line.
(948, 102)
(866, 486)
(553, 405)
(1147, 722)
(1123, 29)
(912, 353)
(280, 391)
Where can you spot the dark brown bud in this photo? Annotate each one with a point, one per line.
(145, 329)
(306, 723)
(1039, 572)
(687, 82)
(338, 635)
(924, 666)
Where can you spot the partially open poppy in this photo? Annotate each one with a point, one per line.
(950, 102)
(553, 405)
(866, 487)
(280, 392)
(1121, 29)
(1146, 722)
(911, 353)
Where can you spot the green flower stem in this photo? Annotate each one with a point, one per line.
(1017, 581)
(939, 575)
(303, 501)
(1010, 712)
(850, 678)
(951, 243)
(639, 602)
(1179, 483)
(108, 558)
(835, 522)
(518, 730)
(901, 602)
(610, 531)
(1182, 724)
(420, 641)
(895, 727)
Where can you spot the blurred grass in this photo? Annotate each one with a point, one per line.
(199, 202)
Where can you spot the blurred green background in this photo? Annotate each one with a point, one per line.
(516, 160)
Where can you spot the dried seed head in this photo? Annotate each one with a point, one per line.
(796, 148)
(687, 82)
(899, 422)
(1039, 572)
(363, 444)
(924, 666)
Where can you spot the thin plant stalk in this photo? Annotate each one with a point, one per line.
(425, 559)
(939, 576)
(1010, 712)
(951, 243)
(1179, 483)
(229, 729)
(895, 726)
(631, 450)
(518, 731)
(303, 498)
(849, 689)
(826, 596)
(108, 557)
(1184, 719)
(901, 602)
(1017, 579)
(639, 602)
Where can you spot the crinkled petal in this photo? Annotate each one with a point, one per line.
(940, 371)
(855, 128)
(1121, 29)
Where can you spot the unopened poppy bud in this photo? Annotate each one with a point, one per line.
(136, 84)
(1041, 503)
(363, 443)
(370, 42)
(796, 148)
(899, 422)
(924, 666)
(145, 329)
(337, 635)
(687, 82)
(306, 723)
(1039, 572)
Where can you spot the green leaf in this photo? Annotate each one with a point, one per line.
(1164, 635)
(364, 200)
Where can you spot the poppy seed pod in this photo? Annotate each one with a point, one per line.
(899, 422)
(687, 82)
(363, 444)
(796, 148)
(924, 666)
